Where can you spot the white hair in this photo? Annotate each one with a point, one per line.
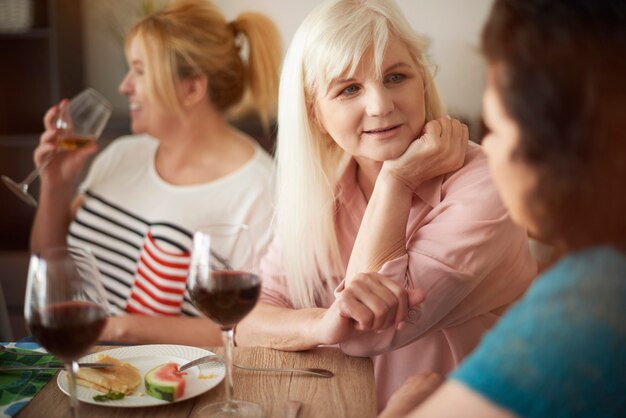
(329, 43)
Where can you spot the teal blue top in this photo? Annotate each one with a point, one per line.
(561, 350)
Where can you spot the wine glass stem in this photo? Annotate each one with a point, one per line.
(72, 369)
(37, 171)
(227, 337)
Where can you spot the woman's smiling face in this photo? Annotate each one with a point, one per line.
(147, 114)
(372, 118)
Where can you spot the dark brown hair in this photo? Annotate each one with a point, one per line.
(561, 74)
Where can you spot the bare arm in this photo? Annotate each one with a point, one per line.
(141, 329)
(53, 217)
(57, 205)
(382, 234)
(373, 302)
(451, 400)
(411, 394)
(279, 327)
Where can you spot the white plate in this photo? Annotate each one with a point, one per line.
(146, 357)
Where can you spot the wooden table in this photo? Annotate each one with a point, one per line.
(351, 393)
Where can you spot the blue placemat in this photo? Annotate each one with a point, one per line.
(18, 388)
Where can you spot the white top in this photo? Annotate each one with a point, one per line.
(140, 227)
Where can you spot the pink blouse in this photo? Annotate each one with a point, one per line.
(463, 250)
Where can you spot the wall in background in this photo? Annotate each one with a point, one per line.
(452, 25)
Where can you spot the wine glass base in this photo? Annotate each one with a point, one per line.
(20, 191)
(231, 409)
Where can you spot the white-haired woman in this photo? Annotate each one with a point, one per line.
(380, 198)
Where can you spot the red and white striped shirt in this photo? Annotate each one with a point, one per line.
(140, 227)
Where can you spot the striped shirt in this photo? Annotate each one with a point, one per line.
(140, 228)
(143, 265)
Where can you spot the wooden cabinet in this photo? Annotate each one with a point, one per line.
(40, 66)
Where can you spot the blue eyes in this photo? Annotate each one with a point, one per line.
(353, 89)
(395, 78)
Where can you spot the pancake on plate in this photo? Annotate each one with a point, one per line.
(121, 378)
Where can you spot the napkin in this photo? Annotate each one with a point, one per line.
(18, 388)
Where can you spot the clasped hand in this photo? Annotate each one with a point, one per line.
(369, 302)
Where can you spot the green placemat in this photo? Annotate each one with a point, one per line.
(17, 388)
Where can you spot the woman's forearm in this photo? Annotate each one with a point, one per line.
(280, 328)
(382, 234)
(141, 329)
(411, 394)
(52, 219)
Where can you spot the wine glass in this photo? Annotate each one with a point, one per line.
(224, 286)
(80, 123)
(65, 306)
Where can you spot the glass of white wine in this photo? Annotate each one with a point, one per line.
(80, 123)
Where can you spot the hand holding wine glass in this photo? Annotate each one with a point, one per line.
(224, 286)
(66, 307)
(69, 126)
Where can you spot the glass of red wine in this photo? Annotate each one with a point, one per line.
(79, 123)
(66, 306)
(224, 286)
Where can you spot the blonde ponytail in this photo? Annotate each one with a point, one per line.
(265, 54)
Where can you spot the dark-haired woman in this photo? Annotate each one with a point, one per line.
(555, 104)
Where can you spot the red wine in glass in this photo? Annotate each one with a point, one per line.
(223, 286)
(68, 329)
(65, 306)
(229, 298)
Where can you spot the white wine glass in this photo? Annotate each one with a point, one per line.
(223, 285)
(80, 123)
(65, 306)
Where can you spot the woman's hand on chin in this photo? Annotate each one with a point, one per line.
(441, 149)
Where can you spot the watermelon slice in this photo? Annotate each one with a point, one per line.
(165, 382)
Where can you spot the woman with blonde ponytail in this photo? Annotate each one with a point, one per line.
(185, 167)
